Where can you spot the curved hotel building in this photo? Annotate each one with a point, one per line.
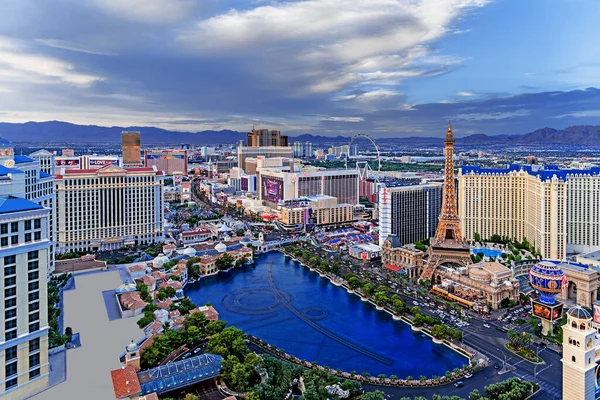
(555, 209)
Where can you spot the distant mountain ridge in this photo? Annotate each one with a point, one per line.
(58, 131)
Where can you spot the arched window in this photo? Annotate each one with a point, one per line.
(574, 324)
(573, 358)
(582, 326)
(578, 343)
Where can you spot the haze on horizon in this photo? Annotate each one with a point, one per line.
(325, 67)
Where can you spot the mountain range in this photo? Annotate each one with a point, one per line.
(64, 132)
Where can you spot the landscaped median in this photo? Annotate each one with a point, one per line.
(526, 354)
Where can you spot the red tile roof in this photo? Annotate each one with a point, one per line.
(125, 382)
(164, 304)
(132, 300)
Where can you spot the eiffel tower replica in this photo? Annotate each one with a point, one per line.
(447, 246)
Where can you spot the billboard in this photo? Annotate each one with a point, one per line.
(244, 184)
(597, 314)
(544, 311)
(272, 189)
(67, 162)
(102, 162)
(165, 156)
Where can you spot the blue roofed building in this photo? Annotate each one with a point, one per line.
(556, 209)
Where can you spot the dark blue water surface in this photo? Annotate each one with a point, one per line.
(293, 308)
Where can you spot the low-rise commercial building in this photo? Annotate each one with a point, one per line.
(319, 210)
(365, 251)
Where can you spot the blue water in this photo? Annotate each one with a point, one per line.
(487, 252)
(309, 317)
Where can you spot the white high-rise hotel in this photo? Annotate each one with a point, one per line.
(107, 208)
(557, 210)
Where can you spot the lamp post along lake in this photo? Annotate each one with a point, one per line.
(284, 303)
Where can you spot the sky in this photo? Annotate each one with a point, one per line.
(388, 68)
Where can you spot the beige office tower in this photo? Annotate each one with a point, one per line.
(579, 356)
(130, 142)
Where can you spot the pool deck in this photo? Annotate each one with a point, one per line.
(89, 366)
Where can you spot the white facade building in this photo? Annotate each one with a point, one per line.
(523, 202)
(24, 258)
(108, 208)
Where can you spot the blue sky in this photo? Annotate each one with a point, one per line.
(383, 67)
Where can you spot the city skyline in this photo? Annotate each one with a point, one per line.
(494, 67)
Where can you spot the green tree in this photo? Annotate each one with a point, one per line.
(381, 299)
(353, 282)
(224, 262)
(439, 332)
(196, 319)
(376, 395)
(170, 292)
(368, 288)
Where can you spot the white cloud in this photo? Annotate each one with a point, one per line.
(344, 119)
(63, 44)
(324, 46)
(465, 94)
(491, 116)
(581, 114)
(373, 95)
(18, 66)
(148, 11)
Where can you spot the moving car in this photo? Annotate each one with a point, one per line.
(468, 375)
(458, 384)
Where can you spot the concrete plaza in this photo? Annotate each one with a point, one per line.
(89, 366)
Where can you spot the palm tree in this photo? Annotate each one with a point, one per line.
(166, 326)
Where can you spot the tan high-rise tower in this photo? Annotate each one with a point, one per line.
(579, 356)
(130, 143)
(447, 246)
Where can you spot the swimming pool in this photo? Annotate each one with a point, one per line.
(488, 252)
(293, 308)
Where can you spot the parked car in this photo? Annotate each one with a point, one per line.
(458, 384)
(468, 375)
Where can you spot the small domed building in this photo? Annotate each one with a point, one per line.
(159, 261)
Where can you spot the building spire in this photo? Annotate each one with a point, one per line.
(449, 126)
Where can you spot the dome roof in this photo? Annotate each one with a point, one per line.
(479, 274)
(221, 247)
(189, 251)
(124, 288)
(160, 260)
(245, 239)
(579, 313)
(547, 277)
(132, 347)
